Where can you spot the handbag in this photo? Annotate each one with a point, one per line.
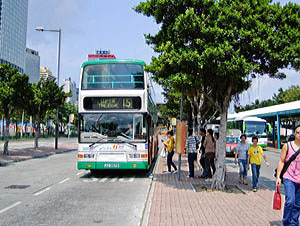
(287, 164)
(163, 152)
(277, 199)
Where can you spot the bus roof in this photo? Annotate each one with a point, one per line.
(112, 61)
(248, 119)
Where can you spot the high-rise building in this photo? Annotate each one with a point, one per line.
(45, 73)
(32, 65)
(13, 27)
(70, 86)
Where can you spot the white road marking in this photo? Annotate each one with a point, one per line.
(9, 207)
(110, 179)
(127, 180)
(79, 173)
(103, 179)
(42, 191)
(114, 179)
(63, 181)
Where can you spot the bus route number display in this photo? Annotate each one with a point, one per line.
(112, 103)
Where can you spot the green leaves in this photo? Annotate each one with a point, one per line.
(46, 97)
(220, 44)
(14, 89)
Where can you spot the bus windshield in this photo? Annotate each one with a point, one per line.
(113, 76)
(255, 129)
(108, 127)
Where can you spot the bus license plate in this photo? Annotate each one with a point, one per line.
(109, 165)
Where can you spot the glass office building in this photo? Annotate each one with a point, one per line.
(13, 27)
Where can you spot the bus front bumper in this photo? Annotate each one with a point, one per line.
(112, 165)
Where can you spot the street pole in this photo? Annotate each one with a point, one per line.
(179, 159)
(58, 66)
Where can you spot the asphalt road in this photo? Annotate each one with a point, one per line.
(51, 191)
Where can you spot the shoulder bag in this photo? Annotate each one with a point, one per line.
(287, 164)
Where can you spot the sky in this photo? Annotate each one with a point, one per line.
(109, 25)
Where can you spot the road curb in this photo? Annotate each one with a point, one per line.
(146, 211)
(45, 155)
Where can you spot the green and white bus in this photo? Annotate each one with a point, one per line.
(251, 126)
(117, 116)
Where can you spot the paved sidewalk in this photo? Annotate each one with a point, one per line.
(176, 203)
(22, 154)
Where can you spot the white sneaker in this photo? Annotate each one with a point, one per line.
(167, 172)
(176, 171)
(208, 180)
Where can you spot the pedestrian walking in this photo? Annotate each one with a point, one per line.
(241, 157)
(255, 153)
(291, 179)
(202, 154)
(210, 153)
(191, 147)
(170, 144)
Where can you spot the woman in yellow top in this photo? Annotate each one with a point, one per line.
(169, 145)
(254, 158)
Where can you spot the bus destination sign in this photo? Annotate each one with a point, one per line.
(112, 103)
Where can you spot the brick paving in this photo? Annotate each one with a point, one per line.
(176, 203)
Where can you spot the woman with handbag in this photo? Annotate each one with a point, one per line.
(170, 145)
(291, 179)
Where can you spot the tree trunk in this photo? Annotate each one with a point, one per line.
(36, 136)
(219, 176)
(6, 134)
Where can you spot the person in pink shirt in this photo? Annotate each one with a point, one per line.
(291, 179)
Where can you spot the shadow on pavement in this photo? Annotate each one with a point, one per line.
(275, 223)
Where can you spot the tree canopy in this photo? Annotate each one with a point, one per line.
(14, 93)
(46, 97)
(215, 48)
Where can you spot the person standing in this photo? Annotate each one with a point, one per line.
(291, 180)
(210, 153)
(169, 145)
(191, 147)
(254, 158)
(241, 156)
(202, 153)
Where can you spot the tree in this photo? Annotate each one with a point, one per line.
(14, 94)
(218, 46)
(46, 96)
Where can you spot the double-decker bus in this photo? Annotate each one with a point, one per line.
(117, 116)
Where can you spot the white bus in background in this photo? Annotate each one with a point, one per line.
(251, 126)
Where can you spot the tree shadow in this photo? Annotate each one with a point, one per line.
(276, 223)
(231, 178)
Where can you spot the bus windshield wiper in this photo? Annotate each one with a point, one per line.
(125, 142)
(98, 141)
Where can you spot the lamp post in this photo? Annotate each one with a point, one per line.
(58, 66)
